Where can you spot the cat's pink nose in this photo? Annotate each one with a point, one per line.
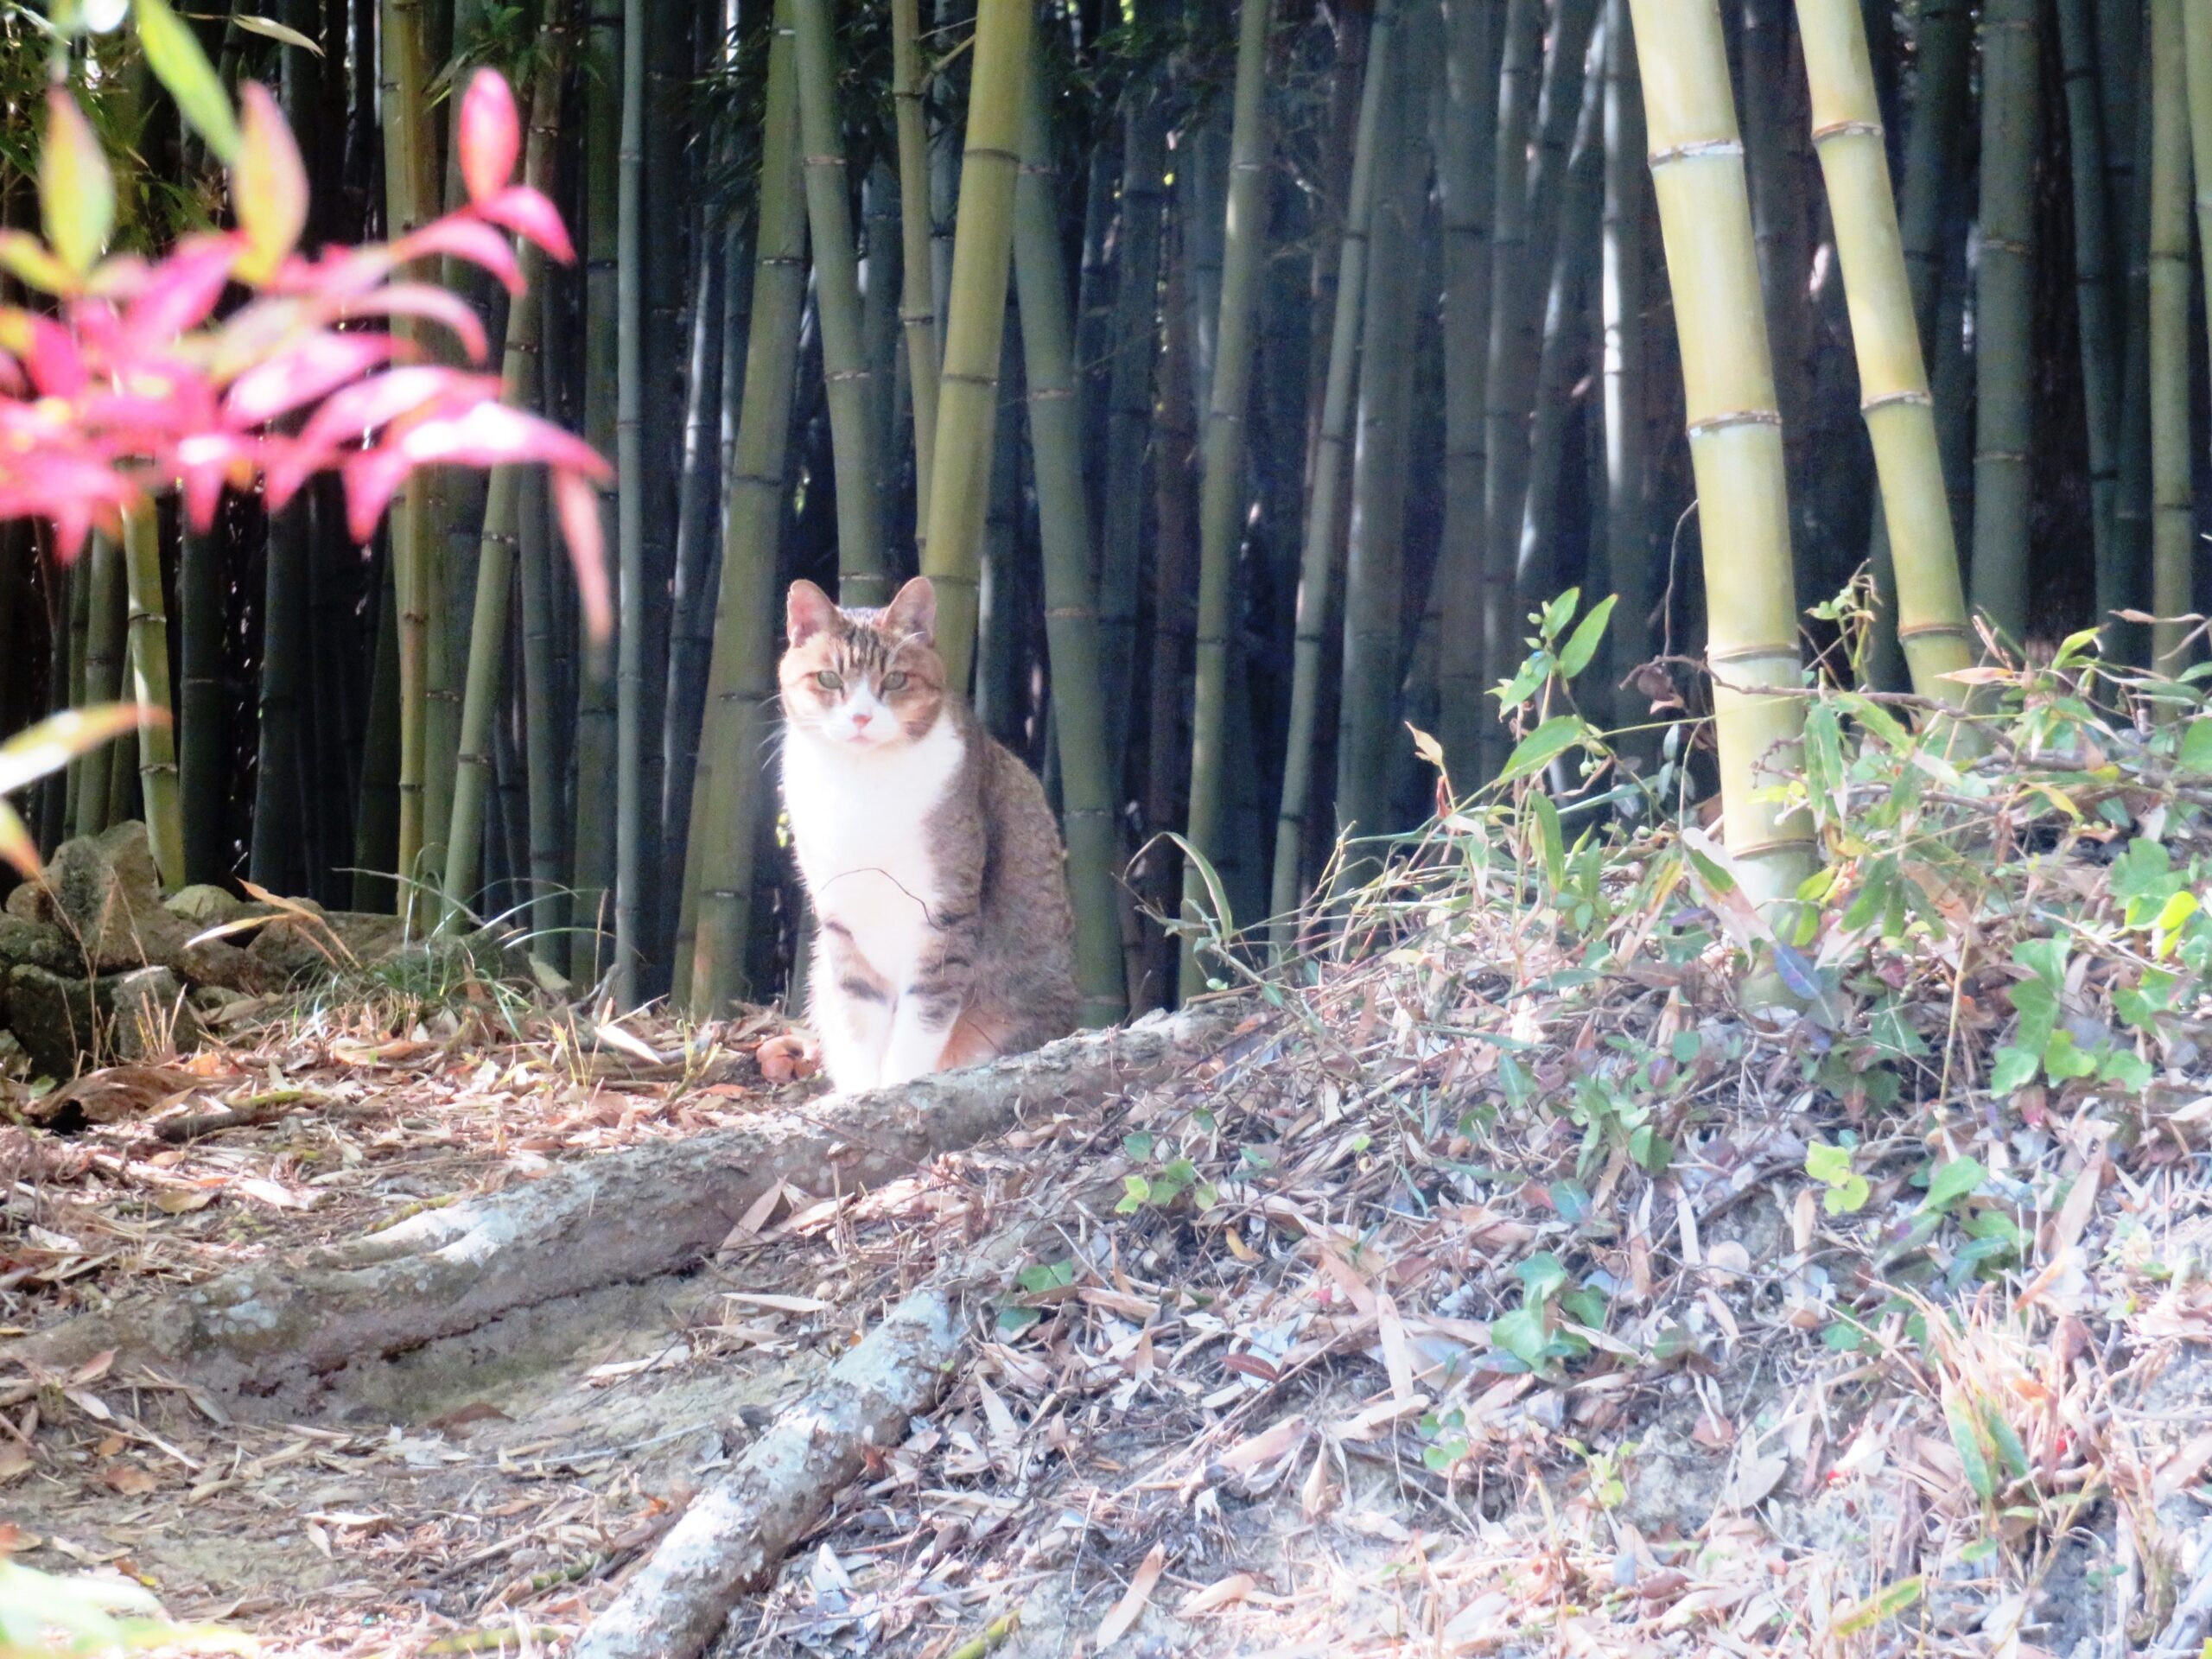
(860, 720)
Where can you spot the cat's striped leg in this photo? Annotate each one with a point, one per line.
(851, 1007)
(922, 1021)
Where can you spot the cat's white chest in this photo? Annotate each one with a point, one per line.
(858, 823)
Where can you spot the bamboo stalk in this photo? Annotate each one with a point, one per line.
(2012, 123)
(410, 189)
(1317, 564)
(376, 823)
(2173, 534)
(917, 292)
(149, 674)
(279, 824)
(1518, 247)
(861, 579)
(203, 775)
(1374, 609)
(630, 512)
(2196, 40)
(599, 749)
(741, 678)
(880, 326)
(1222, 500)
(1124, 511)
(1071, 597)
(982, 252)
(521, 380)
(79, 576)
(2123, 583)
(1467, 176)
(1900, 415)
(2097, 323)
(1621, 305)
(1577, 258)
(104, 667)
(1735, 433)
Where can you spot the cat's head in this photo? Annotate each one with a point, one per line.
(858, 679)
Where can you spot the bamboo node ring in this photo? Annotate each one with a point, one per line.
(1693, 151)
(1847, 129)
(1735, 418)
(1910, 396)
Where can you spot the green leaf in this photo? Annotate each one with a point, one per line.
(1586, 1307)
(2196, 745)
(1556, 613)
(1224, 921)
(1953, 1181)
(1541, 1276)
(2125, 1069)
(1684, 1045)
(1544, 824)
(76, 193)
(1878, 720)
(1521, 1334)
(1830, 1165)
(1582, 644)
(269, 187)
(1012, 1321)
(2006, 1439)
(173, 54)
(2062, 1061)
(1847, 1197)
(1982, 1475)
(1135, 1192)
(1541, 747)
(1886, 1604)
(26, 258)
(275, 31)
(1138, 1146)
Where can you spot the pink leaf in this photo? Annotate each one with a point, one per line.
(489, 135)
(372, 477)
(350, 414)
(431, 304)
(178, 293)
(46, 352)
(492, 435)
(577, 504)
(528, 213)
(464, 239)
(318, 365)
(269, 186)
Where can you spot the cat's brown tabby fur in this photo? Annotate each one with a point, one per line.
(944, 936)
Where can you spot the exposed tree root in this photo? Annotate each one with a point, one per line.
(627, 1216)
(735, 1534)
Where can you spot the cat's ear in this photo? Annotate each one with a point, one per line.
(914, 612)
(807, 611)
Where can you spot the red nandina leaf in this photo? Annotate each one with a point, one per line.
(269, 186)
(180, 292)
(528, 213)
(489, 135)
(464, 239)
(315, 367)
(45, 349)
(431, 304)
(577, 504)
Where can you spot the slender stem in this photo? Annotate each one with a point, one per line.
(149, 674)
(2172, 529)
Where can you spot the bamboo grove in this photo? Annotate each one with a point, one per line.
(1245, 374)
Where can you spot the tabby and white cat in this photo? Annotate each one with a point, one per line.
(943, 934)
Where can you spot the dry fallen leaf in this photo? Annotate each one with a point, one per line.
(1220, 1594)
(1117, 1623)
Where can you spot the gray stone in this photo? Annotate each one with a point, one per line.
(204, 907)
(291, 948)
(63, 1022)
(37, 946)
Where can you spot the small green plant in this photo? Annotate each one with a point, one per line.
(1158, 1188)
(1831, 1165)
(1038, 1279)
(1537, 1334)
(43, 1614)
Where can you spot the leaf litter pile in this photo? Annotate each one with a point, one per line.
(1563, 1257)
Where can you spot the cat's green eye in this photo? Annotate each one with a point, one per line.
(829, 680)
(894, 682)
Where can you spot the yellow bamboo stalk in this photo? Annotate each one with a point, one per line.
(1931, 616)
(975, 322)
(1735, 433)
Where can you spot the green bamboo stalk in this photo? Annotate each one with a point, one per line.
(2012, 122)
(1466, 142)
(1374, 619)
(861, 571)
(204, 775)
(2124, 582)
(741, 679)
(2097, 323)
(599, 749)
(81, 629)
(1621, 302)
(982, 252)
(630, 394)
(2173, 534)
(1527, 198)
(1735, 433)
(149, 674)
(1222, 499)
(917, 294)
(880, 328)
(521, 382)
(104, 667)
(1318, 563)
(1071, 598)
(2196, 40)
(411, 191)
(1931, 608)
